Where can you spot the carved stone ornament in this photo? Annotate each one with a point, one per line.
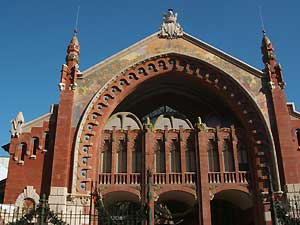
(28, 193)
(62, 86)
(16, 125)
(170, 29)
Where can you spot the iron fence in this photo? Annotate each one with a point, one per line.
(288, 209)
(92, 213)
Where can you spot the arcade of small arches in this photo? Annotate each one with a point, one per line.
(29, 146)
(177, 206)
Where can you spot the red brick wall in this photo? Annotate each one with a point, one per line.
(34, 172)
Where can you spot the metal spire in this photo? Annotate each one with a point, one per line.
(262, 20)
(76, 22)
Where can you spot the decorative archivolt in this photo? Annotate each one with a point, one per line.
(106, 99)
(28, 193)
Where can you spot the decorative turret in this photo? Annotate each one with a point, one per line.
(73, 51)
(70, 71)
(280, 121)
(272, 68)
(267, 50)
(63, 137)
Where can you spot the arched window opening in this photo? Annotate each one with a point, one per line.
(190, 156)
(298, 137)
(28, 205)
(35, 145)
(106, 157)
(242, 156)
(213, 156)
(228, 156)
(23, 148)
(122, 157)
(137, 157)
(47, 140)
(175, 156)
(159, 157)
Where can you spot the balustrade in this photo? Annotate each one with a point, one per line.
(175, 178)
(243, 177)
(214, 177)
(228, 177)
(190, 177)
(159, 178)
(120, 178)
(135, 178)
(105, 178)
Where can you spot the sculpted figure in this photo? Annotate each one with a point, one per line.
(170, 28)
(16, 125)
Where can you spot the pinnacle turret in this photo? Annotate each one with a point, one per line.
(73, 51)
(267, 50)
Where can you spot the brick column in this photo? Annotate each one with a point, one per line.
(235, 152)
(220, 141)
(129, 148)
(114, 147)
(203, 185)
(182, 144)
(63, 141)
(167, 154)
(148, 153)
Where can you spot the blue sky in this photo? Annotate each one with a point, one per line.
(34, 36)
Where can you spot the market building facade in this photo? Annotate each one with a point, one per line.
(171, 123)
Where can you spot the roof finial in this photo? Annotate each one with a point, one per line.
(76, 22)
(170, 29)
(262, 20)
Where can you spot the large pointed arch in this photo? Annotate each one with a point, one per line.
(104, 102)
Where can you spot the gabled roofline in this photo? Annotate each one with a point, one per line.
(39, 118)
(292, 110)
(118, 53)
(222, 54)
(241, 64)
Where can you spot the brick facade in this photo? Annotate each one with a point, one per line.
(206, 126)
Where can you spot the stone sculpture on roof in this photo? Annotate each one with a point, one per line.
(16, 125)
(170, 29)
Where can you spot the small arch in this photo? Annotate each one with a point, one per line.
(35, 146)
(23, 151)
(175, 156)
(169, 191)
(106, 156)
(213, 156)
(232, 207)
(47, 141)
(28, 193)
(123, 120)
(159, 157)
(28, 205)
(190, 156)
(227, 153)
(115, 194)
